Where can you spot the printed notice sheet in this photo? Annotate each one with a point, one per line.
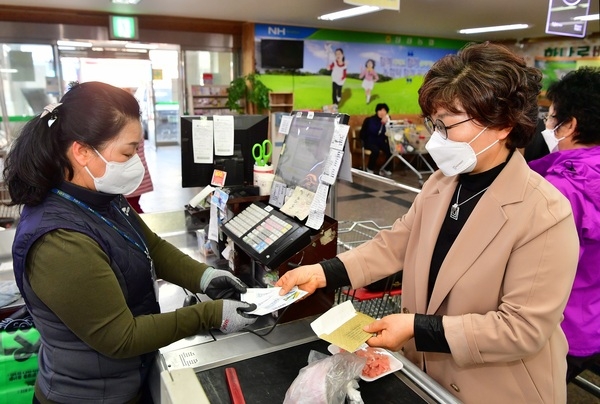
(340, 134)
(223, 135)
(202, 141)
(343, 326)
(316, 215)
(267, 300)
(286, 123)
(332, 166)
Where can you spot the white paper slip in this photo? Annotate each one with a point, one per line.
(267, 300)
(343, 326)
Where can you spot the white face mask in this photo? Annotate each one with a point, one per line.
(549, 136)
(119, 178)
(451, 157)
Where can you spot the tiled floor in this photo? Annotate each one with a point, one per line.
(365, 199)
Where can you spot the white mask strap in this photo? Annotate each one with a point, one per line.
(479, 134)
(497, 140)
(98, 153)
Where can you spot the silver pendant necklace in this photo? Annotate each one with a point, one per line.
(455, 208)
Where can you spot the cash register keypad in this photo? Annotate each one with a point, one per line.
(257, 227)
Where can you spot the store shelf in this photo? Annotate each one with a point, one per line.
(281, 102)
(278, 102)
(208, 100)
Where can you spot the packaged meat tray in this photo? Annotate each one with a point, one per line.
(379, 362)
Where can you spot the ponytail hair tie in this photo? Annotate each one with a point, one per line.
(51, 109)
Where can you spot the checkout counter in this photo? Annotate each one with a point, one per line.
(266, 365)
(193, 369)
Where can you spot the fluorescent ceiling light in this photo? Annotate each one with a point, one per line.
(126, 50)
(493, 29)
(591, 17)
(74, 43)
(384, 4)
(125, 1)
(351, 12)
(141, 46)
(563, 8)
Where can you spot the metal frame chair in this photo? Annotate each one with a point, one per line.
(357, 144)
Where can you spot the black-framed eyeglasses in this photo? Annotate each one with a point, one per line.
(545, 117)
(431, 126)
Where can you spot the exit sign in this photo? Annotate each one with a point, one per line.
(123, 27)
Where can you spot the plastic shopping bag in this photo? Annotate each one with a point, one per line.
(327, 380)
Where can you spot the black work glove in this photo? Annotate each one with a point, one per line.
(221, 284)
(234, 317)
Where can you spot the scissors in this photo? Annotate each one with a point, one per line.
(264, 152)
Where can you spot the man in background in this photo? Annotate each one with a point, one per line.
(374, 139)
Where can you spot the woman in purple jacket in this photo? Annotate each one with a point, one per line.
(573, 166)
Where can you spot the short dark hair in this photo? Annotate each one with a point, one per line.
(382, 106)
(490, 84)
(91, 113)
(577, 95)
(370, 60)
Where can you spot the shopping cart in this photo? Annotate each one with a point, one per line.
(400, 134)
(375, 303)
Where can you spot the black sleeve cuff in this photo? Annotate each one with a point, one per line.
(429, 334)
(335, 274)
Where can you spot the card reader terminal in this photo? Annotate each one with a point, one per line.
(266, 234)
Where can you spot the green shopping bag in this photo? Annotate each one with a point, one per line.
(19, 345)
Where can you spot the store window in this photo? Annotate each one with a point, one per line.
(213, 71)
(28, 82)
(151, 75)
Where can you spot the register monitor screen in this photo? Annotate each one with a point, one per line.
(305, 149)
(248, 130)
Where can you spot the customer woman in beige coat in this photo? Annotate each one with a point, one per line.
(488, 250)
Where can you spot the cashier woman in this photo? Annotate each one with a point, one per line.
(87, 265)
(488, 249)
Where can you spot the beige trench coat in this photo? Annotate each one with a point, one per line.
(502, 287)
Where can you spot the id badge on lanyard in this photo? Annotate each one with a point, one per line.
(154, 277)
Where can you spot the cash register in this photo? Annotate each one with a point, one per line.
(276, 241)
(263, 231)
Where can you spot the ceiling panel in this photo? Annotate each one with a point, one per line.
(434, 18)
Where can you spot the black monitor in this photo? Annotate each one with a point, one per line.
(248, 130)
(282, 54)
(305, 150)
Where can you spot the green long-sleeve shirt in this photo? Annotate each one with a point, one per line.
(71, 274)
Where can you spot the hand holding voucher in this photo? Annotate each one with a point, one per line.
(308, 278)
(392, 331)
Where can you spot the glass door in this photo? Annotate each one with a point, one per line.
(149, 71)
(207, 76)
(28, 82)
(133, 75)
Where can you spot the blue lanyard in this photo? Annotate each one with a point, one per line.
(126, 236)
